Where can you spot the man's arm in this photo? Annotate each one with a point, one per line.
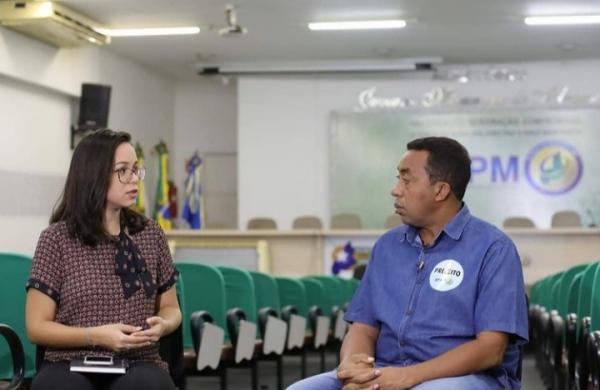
(357, 354)
(485, 352)
(361, 338)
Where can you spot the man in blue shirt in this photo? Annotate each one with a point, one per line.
(442, 303)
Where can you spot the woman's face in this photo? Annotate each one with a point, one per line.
(123, 187)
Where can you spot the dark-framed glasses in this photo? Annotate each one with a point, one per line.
(125, 174)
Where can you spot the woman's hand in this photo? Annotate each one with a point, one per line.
(119, 337)
(155, 331)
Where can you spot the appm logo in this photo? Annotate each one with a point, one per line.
(553, 167)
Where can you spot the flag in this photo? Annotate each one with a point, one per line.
(141, 200)
(193, 210)
(343, 258)
(161, 204)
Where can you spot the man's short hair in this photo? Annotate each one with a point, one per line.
(448, 161)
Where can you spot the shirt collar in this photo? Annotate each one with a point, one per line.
(453, 229)
(456, 226)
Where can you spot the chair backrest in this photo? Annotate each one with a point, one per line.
(346, 221)
(557, 282)
(265, 291)
(584, 304)
(333, 289)
(261, 224)
(349, 286)
(292, 293)
(595, 302)
(203, 288)
(546, 291)
(307, 222)
(518, 222)
(239, 291)
(563, 289)
(534, 293)
(574, 292)
(566, 218)
(15, 270)
(316, 295)
(392, 221)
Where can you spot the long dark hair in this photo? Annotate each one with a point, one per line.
(83, 200)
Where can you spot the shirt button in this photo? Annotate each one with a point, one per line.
(403, 343)
(410, 312)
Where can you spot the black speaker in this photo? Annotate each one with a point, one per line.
(94, 106)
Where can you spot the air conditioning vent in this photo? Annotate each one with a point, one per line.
(50, 23)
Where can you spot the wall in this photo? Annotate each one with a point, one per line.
(39, 85)
(284, 123)
(206, 122)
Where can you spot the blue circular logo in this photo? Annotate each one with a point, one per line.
(553, 167)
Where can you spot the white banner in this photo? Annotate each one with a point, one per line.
(527, 162)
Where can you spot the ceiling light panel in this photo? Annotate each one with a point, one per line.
(145, 32)
(358, 25)
(559, 20)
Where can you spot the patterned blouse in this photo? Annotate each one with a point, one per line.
(81, 279)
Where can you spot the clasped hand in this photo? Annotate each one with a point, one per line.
(122, 337)
(357, 372)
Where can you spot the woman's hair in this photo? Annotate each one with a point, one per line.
(83, 201)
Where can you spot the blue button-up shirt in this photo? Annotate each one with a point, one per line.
(428, 300)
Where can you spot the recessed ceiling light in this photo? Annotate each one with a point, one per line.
(358, 25)
(145, 32)
(562, 20)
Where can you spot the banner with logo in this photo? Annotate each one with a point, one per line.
(527, 162)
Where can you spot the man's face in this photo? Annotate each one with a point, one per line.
(414, 194)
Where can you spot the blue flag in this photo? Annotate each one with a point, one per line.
(343, 259)
(193, 209)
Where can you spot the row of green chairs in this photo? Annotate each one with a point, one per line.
(564, 318)
(227, 297)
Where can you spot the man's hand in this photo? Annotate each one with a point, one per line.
(389, 378)
(357, 368)
(358, 378)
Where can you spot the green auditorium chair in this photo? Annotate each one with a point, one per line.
(241, 316)
(203, 302)
(16, 355)
(15, 269)
(294, 311)
(594, 339)
(335, 288)
(553, 326)
(319, 319)
(273, 330)
(572, 325)
(540, 320)
(584, 308)
(557, 326)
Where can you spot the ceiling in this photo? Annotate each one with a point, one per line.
(459, 31)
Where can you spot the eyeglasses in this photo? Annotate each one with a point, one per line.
(126, 174)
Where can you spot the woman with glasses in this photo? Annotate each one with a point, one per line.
(102, 281)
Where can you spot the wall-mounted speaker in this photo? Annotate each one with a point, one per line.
(94, 106)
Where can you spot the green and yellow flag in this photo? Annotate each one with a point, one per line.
(141, 200)
(162, 214)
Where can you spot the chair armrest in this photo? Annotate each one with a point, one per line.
(263, 317)
(18, 356)
(197, 320)
(234, 316)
